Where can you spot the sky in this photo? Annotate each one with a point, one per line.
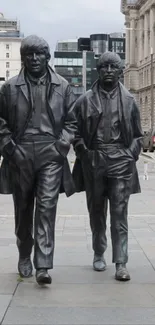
(64, 19)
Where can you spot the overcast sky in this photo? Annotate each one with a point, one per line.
(62, 19)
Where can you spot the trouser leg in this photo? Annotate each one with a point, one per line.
(24, 222)
(119, 192)
(97, 206)
(47, 191)
(23, 197)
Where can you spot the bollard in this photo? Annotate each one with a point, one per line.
(146, 176)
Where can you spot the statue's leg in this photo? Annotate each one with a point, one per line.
(23, 197)
(49, 169)
(97, 206)
(119, 192)
(24, 221)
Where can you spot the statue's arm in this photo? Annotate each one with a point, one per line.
(136, 144)
(67, 134)
(70, 123)
(6, 142)
(79, 143)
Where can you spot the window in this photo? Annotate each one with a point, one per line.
(7, 74)
(7, 46)
(68, 62)
(7, 55)
(7, 64)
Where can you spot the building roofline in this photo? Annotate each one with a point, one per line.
(130, 4)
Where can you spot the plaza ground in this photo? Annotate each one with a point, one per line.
(78, 295)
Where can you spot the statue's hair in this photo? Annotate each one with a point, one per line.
(111, 57)
(34, 43)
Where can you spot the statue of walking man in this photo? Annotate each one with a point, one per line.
(107, 147)
(37, 126)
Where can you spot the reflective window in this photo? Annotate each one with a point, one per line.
(117, 47)
(69, 71)
(68, 62)
(67, 46)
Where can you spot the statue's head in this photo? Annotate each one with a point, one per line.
(35, 55)
(109, 69)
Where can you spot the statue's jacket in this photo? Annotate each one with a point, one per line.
(16, 111)
(88, 110)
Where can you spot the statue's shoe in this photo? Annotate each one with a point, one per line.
(25, 267)
(122, 273)
(99, 263)
(42, 277)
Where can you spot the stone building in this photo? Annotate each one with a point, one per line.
(10, 41)
(139, 74)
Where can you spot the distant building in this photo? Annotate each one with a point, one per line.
(10, 41)
(70, 66)
(76, 59)
(139, 74)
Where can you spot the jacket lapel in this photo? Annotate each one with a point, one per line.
(53, 110)
(24, 104)
(95, 112)
(24, 90)
(124, 107)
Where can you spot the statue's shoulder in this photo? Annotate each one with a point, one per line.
(9, 84)
(61, 79)
(125, 91)
(84, 97)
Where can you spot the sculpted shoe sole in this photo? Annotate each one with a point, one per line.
(99, 267)
(122, 277)
(43, 279)
(25, 268)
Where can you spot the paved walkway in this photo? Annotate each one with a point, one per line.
(78, 295)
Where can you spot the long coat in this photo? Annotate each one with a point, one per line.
(16, 110)
(88, 110)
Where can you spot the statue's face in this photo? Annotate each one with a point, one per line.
(35, 62)
(109, 72)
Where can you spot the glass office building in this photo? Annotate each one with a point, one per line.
(70, 66)
(99, 43)
(67, 46)
(77, 64)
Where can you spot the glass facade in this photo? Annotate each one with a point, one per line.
(117, 46)
(99, 43)
(69, 71)
(68, 62)
(67, 46)
(78, 67)
(91, 72)
(70, 66)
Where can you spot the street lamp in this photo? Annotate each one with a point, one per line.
(152, 76)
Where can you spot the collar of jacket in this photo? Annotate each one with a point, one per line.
(53, 77)
(121, 87)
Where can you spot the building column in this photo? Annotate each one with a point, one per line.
(132, 42)
(146, 27)
(152, 20)
(141, 31)
(127, 45)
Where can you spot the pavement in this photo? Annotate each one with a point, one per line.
(79, 295)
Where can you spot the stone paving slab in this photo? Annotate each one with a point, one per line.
(78, 295)
(79, 316)
(8, 283)
(4, 303)
(85, 295)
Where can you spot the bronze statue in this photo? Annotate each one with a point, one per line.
(37, 126)
(107, 147)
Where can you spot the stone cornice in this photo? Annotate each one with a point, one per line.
(127, 6)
